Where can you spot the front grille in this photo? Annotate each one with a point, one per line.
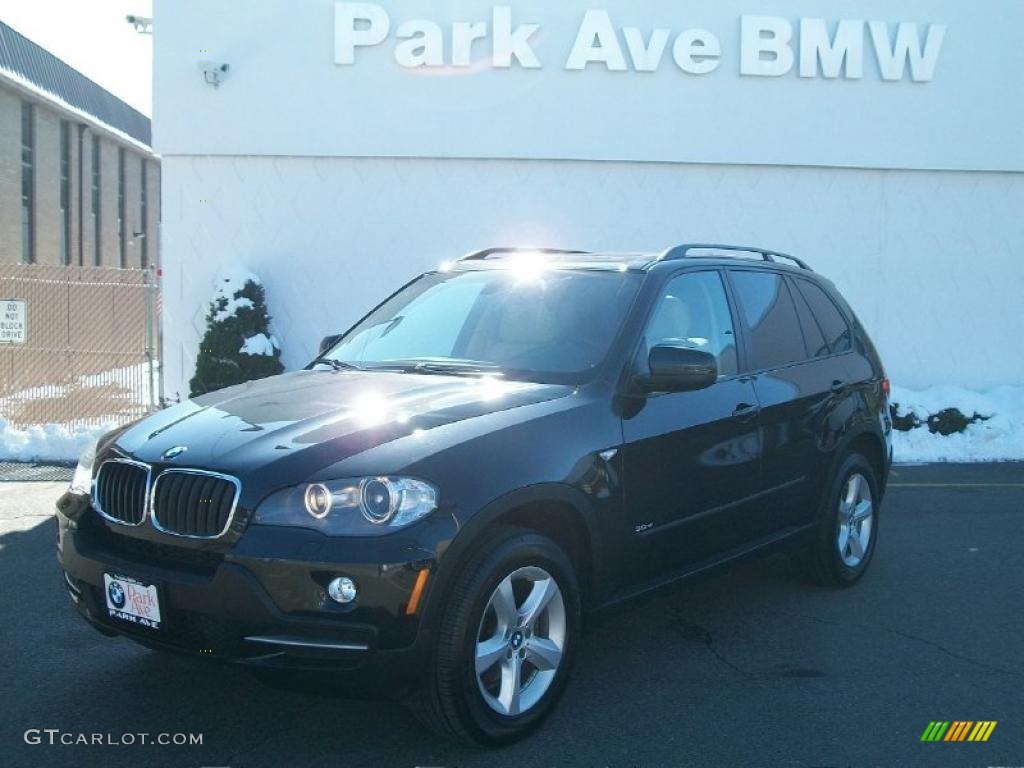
(122, 488)
(191, 502)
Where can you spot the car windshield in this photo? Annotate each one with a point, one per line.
(553, 325)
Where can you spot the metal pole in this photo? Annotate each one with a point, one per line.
(150, 286)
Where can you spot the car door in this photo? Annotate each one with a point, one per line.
(794, 377)
(835, 373)
(690, 459)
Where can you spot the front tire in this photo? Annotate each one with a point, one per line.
(847, 532)
(506, 643)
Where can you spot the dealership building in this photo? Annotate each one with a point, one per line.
(338, 149)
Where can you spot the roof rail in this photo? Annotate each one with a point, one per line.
(683, 252)
(486, 253)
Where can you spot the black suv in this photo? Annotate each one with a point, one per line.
(501, 447)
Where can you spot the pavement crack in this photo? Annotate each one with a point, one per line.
(909, 636)
(693, 632)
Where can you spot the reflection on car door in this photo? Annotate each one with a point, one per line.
(691, 458)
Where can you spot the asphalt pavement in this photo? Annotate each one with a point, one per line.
(751, 668)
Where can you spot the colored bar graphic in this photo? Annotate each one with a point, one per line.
(983, 730)
(935, 730)
(958, 730)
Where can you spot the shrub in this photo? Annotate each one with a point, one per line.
(948, 421)
(237, 346)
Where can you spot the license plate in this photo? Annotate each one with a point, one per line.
(132, 601)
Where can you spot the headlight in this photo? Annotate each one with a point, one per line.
(362, 506)
(81, 481)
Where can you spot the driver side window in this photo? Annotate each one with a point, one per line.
(693, 311)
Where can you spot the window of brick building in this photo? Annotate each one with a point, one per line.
(65, 192)
(122, 234)
(97, 228)
(28, 244)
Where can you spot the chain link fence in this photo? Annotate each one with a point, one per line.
(78, 345)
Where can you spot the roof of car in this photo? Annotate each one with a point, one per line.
(629, 261)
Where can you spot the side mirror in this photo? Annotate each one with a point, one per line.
(328, 342)
(679, 369)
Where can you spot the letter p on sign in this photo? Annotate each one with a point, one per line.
(358, 25)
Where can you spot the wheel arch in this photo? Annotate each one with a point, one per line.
(872, 447)
(557, 511)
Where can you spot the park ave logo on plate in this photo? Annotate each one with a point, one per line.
(132, 601)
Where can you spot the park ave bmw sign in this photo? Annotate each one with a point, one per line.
(770, 46)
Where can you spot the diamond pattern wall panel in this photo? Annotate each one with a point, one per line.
(931, 261)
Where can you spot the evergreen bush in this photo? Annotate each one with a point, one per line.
(237, 346)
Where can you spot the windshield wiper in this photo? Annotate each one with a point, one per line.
(338, 365)
(440, 367)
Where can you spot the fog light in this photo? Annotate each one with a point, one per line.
(342, 590)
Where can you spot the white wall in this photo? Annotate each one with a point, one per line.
(285, 94)
(312, 168)
(930, 260)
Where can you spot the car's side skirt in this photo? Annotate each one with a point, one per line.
(706, 567)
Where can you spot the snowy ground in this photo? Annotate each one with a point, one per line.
(51, 442)
(104, 397)
(1000, 438)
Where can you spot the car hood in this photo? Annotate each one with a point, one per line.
(303, 421)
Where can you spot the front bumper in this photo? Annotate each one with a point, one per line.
(262, 603)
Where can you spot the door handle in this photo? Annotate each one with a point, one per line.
(745, 412)
(838, 386)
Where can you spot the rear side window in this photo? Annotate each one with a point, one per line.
(830, 319)
(816, 344)
(773, 329)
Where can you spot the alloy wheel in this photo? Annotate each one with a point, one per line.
(856, 520)
(521, 641)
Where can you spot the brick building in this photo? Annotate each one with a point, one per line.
(79, 183)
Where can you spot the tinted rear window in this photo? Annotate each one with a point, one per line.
(773, 329)
(816, 344)
(830, 319)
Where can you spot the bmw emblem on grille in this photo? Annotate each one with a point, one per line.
(116, 592)
(175, 452)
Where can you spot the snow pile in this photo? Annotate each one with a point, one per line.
(260, 344)
(229, 282)
(105, 399)
(999, 437)
(51, 442)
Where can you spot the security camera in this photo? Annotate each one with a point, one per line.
(213, 72)
(143, 24)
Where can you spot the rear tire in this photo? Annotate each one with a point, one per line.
(506, 642)
(844, 541)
